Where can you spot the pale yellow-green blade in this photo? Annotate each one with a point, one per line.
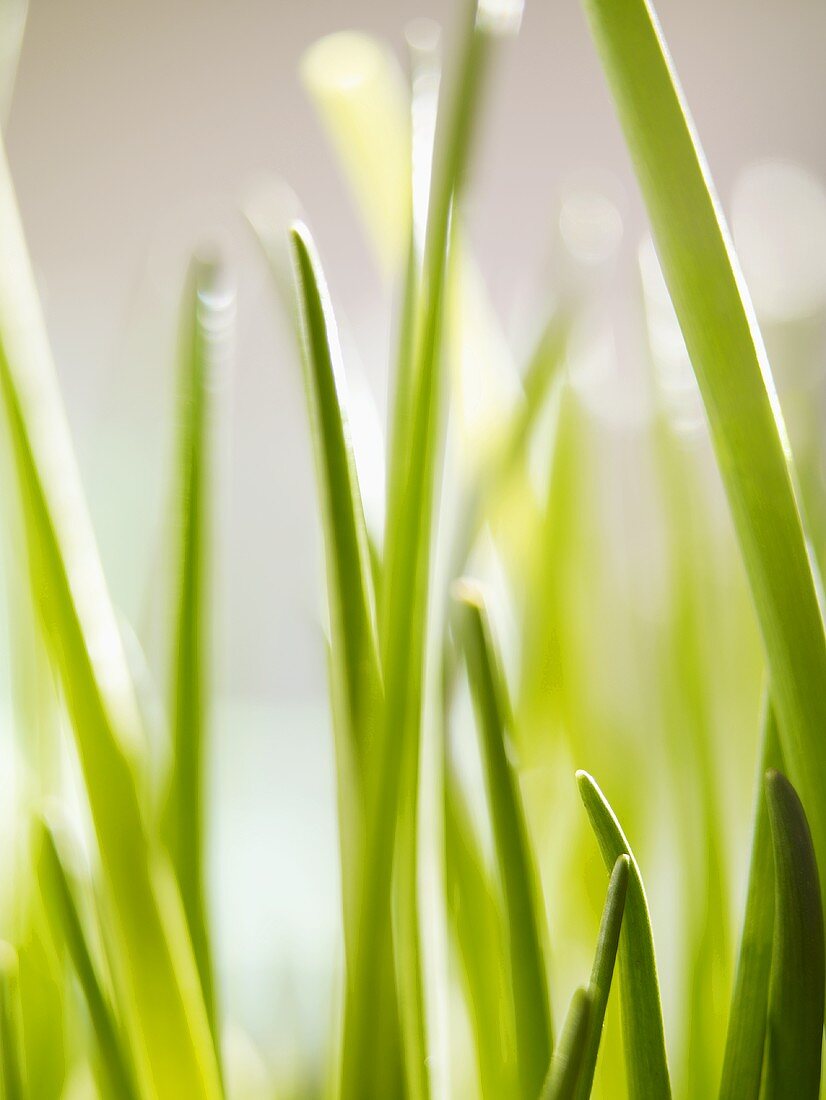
(86, 649)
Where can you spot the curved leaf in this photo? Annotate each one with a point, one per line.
(352, 602)
(642, 1022)
(729, 360)
(355, 673)
(522, 895)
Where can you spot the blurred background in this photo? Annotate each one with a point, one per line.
(135, 133)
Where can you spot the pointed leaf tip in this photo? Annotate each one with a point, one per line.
(567, 1062)
(642, 1024)
(796, 990)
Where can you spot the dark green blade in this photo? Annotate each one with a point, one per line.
(63, 913)
(522, 894)
(794, 1032)
(355, 674)
(746, 1035)
(642, 1022)
(602, 972)
(352, 601)
(729, 360)
(565, 1073)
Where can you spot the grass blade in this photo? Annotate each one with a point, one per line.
(478, 929)
(208, 310)
(404, 609)
(522, 896)
(86, 649)
(565, 1072)
(352, 601)
(729, 360)
(794, 1034)
(355, 673)
(746, 1035)
(642, 1023)
(11, 1031)
(64, 915)
(602, 972)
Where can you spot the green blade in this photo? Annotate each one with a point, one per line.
(207, 318)
(392, 797)
(794, 1033)
(729, 360)
(355, 674)
(479, 933)
(85, 647)
(746, 1035)
(350, 583)
(356, 680)
(642, 1022)
(64, 915)
(11, 1031)
(522, 895)
(602, 972)
(565, 1072)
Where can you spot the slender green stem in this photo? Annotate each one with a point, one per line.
(522, 893)
(642, 1022)
(602, 972)
(565, 1071)
(746, 1035)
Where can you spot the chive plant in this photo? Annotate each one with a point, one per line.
(454, 976)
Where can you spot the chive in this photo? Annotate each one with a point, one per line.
(409, 528)
(565, 1071)
(794, 1030)
(522, 895)
(746, 1035)
(642, 1023)
(356, 678)
(602, 972)
(732, 369)
(208, 307)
